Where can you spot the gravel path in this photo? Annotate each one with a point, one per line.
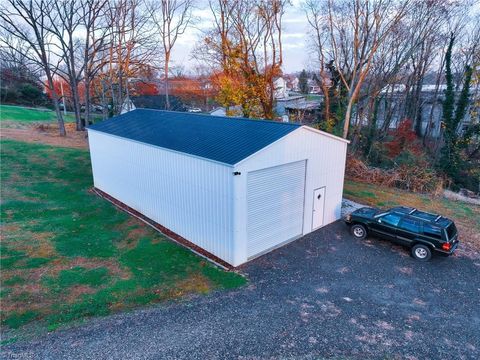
(325, 295)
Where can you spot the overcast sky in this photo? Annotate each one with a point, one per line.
(294, 39)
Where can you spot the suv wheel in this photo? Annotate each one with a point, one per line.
(358, 231)
(421, 252)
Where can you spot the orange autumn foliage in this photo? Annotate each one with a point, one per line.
(402, 138)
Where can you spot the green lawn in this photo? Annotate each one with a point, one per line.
(314, 97)
(23, 114)
(67, 254)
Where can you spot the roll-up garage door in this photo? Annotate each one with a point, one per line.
(275, 201)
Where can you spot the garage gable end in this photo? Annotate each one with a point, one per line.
(322, 134)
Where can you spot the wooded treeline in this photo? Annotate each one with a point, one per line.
(387, 69)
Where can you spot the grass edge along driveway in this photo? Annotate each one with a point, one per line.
(67, 254)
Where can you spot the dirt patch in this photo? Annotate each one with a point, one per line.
(39, 246)
(112, 266)
(31, 296)
(196, 283)
(133, 236)
(134, 230)
(8, 229)
(9, 193)
(54, 267)
(77, 291)
(46, 134)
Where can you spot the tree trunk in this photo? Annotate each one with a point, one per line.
(348, 115)
(326, 104)
(373, 126)
(86, 120)
(76, 104)
(119, 100)
(104, 102)
(58, 112)
(167, 100)
(417, 110)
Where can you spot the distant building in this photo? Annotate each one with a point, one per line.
(293, 84)
(127, 106)
(299, 109)
(314, 89)
(219, 111)
(431, 99)
(158, 102)
(233, 111)
(280, 88)
(282, 103)
(307, 112)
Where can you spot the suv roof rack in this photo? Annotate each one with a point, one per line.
(438, 218)
(403, 209)
(412, 211)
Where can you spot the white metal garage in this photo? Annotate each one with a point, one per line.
(236, 188)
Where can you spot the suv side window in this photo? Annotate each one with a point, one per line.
(432, 231)
(409, 224)
(391, 219)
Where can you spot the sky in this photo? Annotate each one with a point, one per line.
(294, 40)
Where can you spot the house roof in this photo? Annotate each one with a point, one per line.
(158, 102)
(307, 105)
(223, 139)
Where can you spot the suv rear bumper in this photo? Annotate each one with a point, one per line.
(449, 252)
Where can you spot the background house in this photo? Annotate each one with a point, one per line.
(280, 88)
(281, 104)
(431, 108)
(158, 102)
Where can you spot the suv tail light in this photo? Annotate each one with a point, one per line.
(446, 246)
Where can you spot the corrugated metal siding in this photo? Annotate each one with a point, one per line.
(226, 140)
(190, 196)
(325, 168)
(274, 206)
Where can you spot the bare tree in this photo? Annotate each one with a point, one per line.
(97, 32)
(28, 21)
(65, 20)
(315, 16)
(245, 44)
(130, 48)
(171, 18)
(357, 29)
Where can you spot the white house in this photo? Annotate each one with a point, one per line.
(127, 106)
(218, 111)
(280, 88)
(235, 187)
(233, 111)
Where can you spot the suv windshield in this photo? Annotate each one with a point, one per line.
(451, 230)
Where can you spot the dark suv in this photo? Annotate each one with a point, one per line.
(422, 232)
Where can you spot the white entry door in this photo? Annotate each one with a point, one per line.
(318, 207)
(275, 201)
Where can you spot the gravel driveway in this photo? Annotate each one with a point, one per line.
(325, 295)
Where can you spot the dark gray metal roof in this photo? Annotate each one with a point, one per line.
(223, 139)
